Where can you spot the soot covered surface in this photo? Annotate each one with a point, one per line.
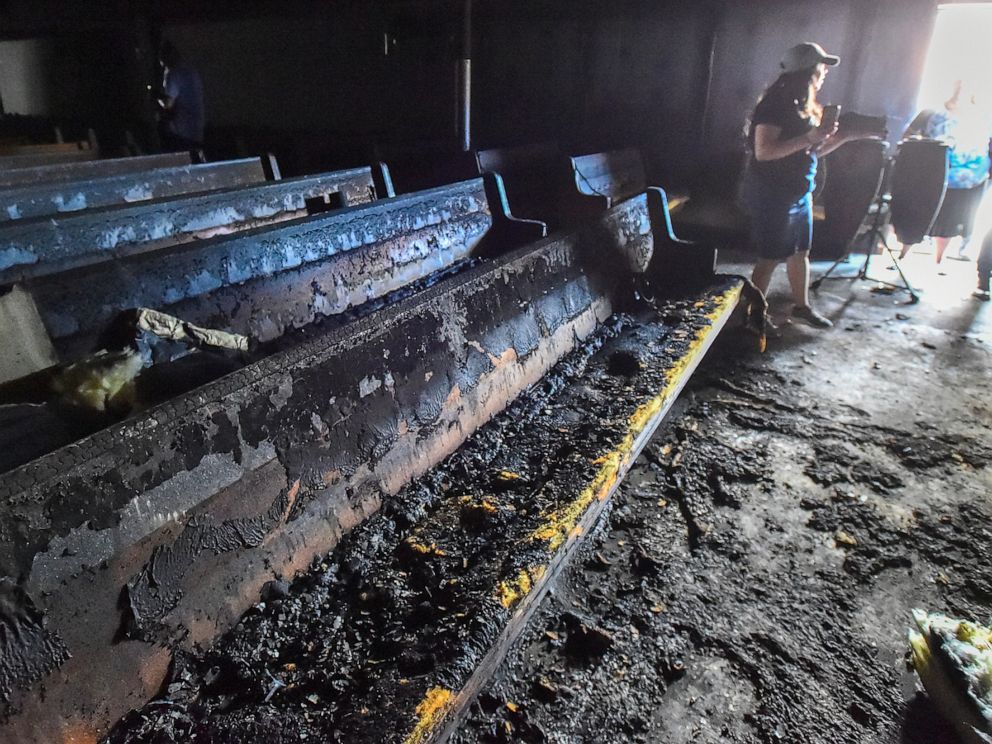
(405, 608)
(753, 580)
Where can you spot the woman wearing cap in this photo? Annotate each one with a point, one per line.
(786, 135)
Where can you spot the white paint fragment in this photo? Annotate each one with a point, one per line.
(15, 257)
(138, 192)
(368, 385)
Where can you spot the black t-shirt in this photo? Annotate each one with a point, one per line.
(792, 176)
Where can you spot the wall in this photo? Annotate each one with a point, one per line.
(591, 76)
(882, 46)
(587, 74)
(324, 71)
(24, 84)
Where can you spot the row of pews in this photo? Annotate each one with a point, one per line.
(213, 375)
(126, 219)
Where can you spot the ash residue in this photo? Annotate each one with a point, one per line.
(27, 650)
(409, 601)
(787, 540)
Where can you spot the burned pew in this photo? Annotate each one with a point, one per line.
(45, 148)
(266, 281)
(425, 167)
(538, 180)
(33, 160)
(44, 199)
(542, 183)
(605, 178)
(31, 248)
(157, 533)
(79, 171)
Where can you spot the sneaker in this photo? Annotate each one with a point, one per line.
(981, 294)
(811, 316)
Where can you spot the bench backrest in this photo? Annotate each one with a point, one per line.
(30, 248)
(31, 160)
(537, 178)
(266, 281)
(418, 171)
(40, 200)
(48, 148)
(616, 175)
(62, 172)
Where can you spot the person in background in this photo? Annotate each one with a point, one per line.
(181, 103)
(964, 126)
(786, 134)
(984, 269)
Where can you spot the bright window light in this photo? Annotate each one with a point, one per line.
(959, 50)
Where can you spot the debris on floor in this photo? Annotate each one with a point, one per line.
(954, 661)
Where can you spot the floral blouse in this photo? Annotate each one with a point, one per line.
(969, 154)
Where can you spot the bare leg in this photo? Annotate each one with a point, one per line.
(941, 244)
(762, 275)
(904, 250)
(797, 267)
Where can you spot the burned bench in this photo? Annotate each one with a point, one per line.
(42, 246)
(265, 281)
(157, 533)
(44, 199)
(80, 171)
(542, 183)
(537, 178)
(608, 177)
(427, 167)
(35, 159)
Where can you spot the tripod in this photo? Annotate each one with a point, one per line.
(876, 234)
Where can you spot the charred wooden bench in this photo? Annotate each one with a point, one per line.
(412, 169)
(34, 159)
(31, 248)
(265, 281)
(49, 148)
(44, 199)
(538, 180)
(609, 177)
(542, 183)
(157, 533)
(81, 171)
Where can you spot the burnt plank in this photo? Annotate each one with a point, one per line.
(253, 475)
(38, 247)
(44, 199)
(78, 171)
(266, 281)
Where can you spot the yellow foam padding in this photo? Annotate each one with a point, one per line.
(430, 712)
(511, 592)
(559, 524)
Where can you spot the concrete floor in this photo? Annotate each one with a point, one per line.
(755, 576)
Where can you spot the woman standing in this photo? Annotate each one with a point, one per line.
(786, 133)
(964, 126)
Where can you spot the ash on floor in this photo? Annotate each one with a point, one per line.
(754, 578)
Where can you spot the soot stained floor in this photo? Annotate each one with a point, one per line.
(754, 577)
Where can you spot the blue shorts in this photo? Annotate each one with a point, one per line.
(778, 229)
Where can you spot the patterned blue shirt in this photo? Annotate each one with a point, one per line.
(969, 153)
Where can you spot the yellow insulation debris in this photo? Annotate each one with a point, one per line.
(430, 712)
(561, 522)
(512, 591)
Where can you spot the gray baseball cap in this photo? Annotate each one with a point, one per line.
(806, 55)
